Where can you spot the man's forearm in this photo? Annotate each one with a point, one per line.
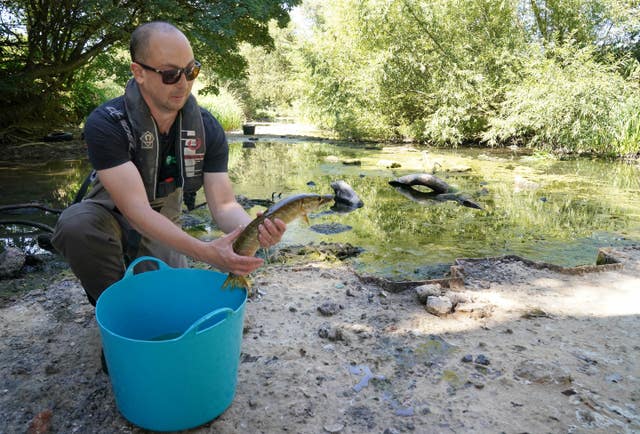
(230, 216)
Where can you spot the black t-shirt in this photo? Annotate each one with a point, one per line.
(108, 146)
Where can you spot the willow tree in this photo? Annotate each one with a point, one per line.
(48, 45)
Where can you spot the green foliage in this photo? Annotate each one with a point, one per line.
(559, 21)
(262, 91)
(226, 108)
(46, 44)
(340, 89)
(566, 99)
(451, 72)
(430, 70)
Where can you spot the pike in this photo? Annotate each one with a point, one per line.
(287, 210)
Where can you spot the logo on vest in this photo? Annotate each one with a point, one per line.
(192, 159)
(147, 139)
(192, 144)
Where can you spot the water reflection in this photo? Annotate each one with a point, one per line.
(543, 209)
(53, 183)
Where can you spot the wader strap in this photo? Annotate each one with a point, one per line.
(84, 187)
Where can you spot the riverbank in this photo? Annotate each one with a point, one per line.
(527, 348)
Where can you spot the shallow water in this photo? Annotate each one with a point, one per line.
(541, 208)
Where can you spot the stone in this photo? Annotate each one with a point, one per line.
(11, 262)
(475, 310)
(481, 359)
(334, 427)
(439, 305)
(541, 373)
(614, 378)
(332, 333)
(457, 297)
(427, 290)
(329, 308)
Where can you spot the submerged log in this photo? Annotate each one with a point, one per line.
(432, 197)
(426, 179)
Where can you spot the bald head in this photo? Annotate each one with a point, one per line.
(140, 38)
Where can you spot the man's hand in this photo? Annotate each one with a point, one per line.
(270, 232)
(222, 256)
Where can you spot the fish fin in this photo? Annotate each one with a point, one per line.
(306, 219)
(238, 281)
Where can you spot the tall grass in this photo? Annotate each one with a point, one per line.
(225, 106)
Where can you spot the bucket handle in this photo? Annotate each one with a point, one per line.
(161, 264)
(193, 330)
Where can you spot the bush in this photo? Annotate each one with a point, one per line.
(569, 100)
(226, 107)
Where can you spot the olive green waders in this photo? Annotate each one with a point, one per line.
(98, 242)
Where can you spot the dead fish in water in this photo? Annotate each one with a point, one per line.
(287, 210)
(346, 199)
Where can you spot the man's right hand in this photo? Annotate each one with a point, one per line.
(220, 254)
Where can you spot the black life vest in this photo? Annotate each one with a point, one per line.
(144, 142)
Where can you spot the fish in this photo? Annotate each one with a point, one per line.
(287, 210)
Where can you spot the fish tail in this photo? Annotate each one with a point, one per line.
(233, 280)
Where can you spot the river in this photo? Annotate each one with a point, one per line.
(543, 208)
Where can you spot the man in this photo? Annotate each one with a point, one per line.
(148, 147)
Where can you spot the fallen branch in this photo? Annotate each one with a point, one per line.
(30, 205)
(24, 145)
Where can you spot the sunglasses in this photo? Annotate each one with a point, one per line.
(172, 76)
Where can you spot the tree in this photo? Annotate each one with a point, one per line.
(46, 45)
(553, 73)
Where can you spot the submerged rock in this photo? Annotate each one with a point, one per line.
(330, 228)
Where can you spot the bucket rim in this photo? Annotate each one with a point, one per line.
(164, 267)
(191, 331)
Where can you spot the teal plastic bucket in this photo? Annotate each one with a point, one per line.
(171, 339)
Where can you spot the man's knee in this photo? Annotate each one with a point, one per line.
(84, 224)
(90, 239)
